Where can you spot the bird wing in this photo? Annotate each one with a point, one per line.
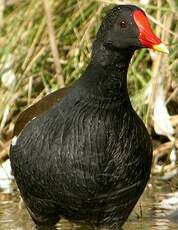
(38, 108)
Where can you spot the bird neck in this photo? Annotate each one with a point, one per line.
(106, 75)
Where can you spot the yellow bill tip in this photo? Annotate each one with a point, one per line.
(161, 47)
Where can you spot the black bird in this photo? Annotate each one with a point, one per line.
(87, 156)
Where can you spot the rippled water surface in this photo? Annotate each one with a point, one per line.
(156, 210)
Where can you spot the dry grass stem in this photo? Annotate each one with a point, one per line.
(53, 44)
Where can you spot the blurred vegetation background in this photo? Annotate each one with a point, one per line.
(45, 45)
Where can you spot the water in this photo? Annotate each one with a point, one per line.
(151, 213)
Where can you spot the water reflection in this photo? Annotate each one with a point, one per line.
(149, 214)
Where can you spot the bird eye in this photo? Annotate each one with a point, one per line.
(123, 24)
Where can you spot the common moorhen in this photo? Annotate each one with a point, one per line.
(87, 156)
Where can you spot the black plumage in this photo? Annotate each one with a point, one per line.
(88, 157)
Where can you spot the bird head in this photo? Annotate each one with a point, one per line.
(127, 26)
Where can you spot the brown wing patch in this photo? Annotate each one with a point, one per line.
(38, 108)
